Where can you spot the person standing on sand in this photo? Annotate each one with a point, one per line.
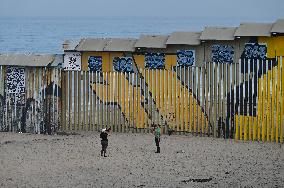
(104, 141)
(157, 133)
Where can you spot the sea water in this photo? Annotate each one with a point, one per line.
(46, 35)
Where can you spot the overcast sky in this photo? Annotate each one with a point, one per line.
(245, 10)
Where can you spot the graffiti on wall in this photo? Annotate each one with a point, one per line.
(72, 61)
(123, 64)
(185, 58)
(255, 51)
(17, 99)
(15, 84)
(155, 60)
(95, 63)
(222, 53)
(15, 80)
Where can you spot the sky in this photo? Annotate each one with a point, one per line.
(249, 10)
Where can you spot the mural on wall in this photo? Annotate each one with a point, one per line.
(52, 104)
(222, 53)
(32, 117)
(41, 114)
(186, 58)
(123, 64)
(155, 60)
(95, 63)
(72, 61)
(255, 51)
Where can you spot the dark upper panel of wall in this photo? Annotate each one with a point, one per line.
(278, 26)
(30, 60)
(70, 45)
(218, 33)
(152, 41)
(123, 45)
(184, 38)
(106, 44)
(92, 44)
(253, 30)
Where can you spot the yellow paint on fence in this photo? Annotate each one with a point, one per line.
(264, 119)
(259, 109)
(140, 61)
(267, 125)
(272, 104)
(277, 102)
(275, 45)
(282, 102)
(268, 106)
(237, 136)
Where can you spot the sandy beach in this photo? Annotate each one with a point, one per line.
(28, 160)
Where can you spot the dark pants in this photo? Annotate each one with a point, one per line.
(157, 141)
(104, 146)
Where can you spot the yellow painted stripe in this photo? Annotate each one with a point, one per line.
(182, 107)
(259, 108)
(273, 105)
(277, 103)
(245, 127)
(264, 118)
(250, 126)
(241, 127)
(186, 108)
(268, 106)
(254, 127)
(282, 101)
(237, 136)
(162, 91)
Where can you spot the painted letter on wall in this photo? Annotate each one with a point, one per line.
(155, 60)
(222, 53)
(185, 58)
(123, 64)
(72, 61)
(255, 51)
(95, 63)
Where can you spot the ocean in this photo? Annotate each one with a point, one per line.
(46, 35)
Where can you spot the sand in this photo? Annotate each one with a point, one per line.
(28, 160)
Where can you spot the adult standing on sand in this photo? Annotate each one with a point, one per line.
(104, 141)
(157, 133)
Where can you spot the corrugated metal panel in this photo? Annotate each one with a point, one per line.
(92, 44)
(116, 44)
(187, 38)
(218, 33)
(278, 26)
(151, 41)
(253, 29)
(30, 60)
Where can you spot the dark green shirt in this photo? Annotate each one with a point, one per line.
(157, 132)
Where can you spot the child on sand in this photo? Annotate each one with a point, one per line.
(157, 133)
(104, 141)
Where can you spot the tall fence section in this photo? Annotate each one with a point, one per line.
(243, 100)
(30, 99)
